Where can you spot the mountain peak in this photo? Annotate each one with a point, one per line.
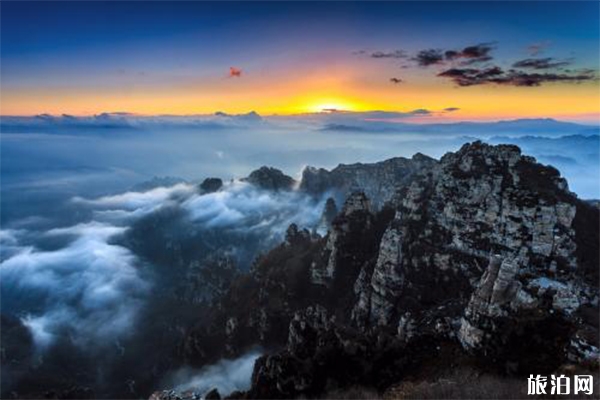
(270, 178)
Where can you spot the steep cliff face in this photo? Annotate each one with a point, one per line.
(485, 252)
(379, 181)
(376, 296)
(479, 202)
(327, 216)
(341, 248)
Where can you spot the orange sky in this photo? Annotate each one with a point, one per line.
(296, 58)
(579, 101)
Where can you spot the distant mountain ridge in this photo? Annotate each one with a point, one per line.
(540, 126)
(347, 122)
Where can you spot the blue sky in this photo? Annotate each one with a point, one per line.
(54, 52)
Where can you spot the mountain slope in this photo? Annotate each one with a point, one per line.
(484, 258)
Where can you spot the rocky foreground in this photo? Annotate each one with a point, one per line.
(482, 261)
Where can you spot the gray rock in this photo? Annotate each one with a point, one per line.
(355, 216)
(270, 179)
(330, 211)
(379, 181)
(377, 299)
(497, 289)
(211, 185)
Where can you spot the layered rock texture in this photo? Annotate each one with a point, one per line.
(378, 180)
(482, 258)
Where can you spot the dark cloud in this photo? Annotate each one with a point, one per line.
(471, 76)
(519, 78)
(471, 54)
(541, 63)
(466, 56)
(389, 54)
(451, 109)
(480, 50)
(396, 80)
(429, 57)
(495, 75)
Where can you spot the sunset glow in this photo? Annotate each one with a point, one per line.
(181, 72)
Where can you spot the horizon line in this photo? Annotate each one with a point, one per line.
(421, 118)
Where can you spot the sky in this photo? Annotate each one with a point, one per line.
(461, 60)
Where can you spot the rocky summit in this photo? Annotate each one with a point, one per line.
(270, 178)
(482, 260)
(378, 181)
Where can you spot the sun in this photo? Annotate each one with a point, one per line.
(316, 103)
(331, 106)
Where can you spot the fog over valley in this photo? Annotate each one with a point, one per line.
(113, 243)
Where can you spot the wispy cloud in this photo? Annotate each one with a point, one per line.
(388, 54)
(381, 54)
(425, 58)
(541, 63)
(226, 376)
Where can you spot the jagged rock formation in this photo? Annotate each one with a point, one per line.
(211, 185)
(271, 179)
(376, 297)
(292, 373)
(330, 211)
(355, 217)
(295, 235)
(484, 254)
(479, 201)
(481, 259)
(496, 290)
(379, 181)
